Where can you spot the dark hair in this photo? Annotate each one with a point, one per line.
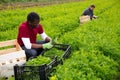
(92, 5)
(32, 17)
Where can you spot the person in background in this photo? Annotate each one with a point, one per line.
(89, 12)
(27, 36)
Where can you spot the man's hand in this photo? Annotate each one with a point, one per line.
(47, 45)
(95, 17)
(47, 39)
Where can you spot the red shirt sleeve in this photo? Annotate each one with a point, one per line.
(40, 29)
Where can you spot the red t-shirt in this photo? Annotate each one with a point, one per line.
(27, 32)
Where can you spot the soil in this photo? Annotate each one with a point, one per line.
(31, 4)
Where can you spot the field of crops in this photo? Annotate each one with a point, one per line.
(95, 45)
(11, 1)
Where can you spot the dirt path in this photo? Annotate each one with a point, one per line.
(31, 4)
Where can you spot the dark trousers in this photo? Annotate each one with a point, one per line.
(33, 52)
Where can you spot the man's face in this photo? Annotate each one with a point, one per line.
(33, 24)
(92, 8)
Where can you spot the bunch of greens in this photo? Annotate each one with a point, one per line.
(38, 61)
(53, 52)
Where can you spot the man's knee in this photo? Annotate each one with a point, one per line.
(33, 52)
(30, 53)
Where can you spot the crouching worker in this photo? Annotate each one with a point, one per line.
(27, 35)
(88, 14)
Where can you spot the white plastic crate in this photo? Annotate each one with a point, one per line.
(9, 57)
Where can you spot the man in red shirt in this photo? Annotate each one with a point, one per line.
(27, 35)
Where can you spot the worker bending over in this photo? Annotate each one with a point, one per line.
(27, 36)
(88, 14)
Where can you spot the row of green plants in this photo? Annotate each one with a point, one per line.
(57, 19)
(97, 55)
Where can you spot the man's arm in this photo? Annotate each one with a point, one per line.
(43, 34)
(91, 16)
(36, 45)
(89, 13)
(28, 45)
(45, 37)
